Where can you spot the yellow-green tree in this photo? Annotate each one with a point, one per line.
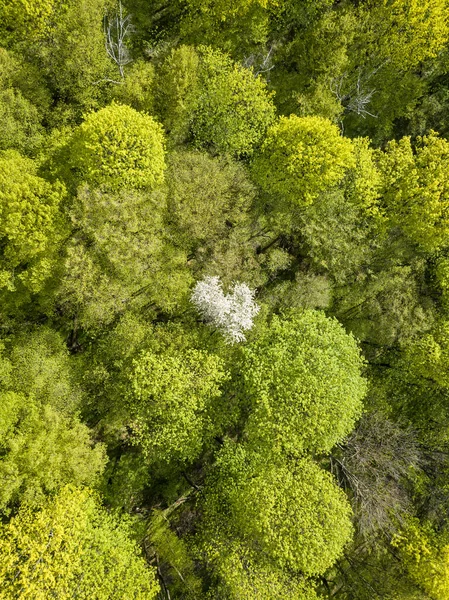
(212, 101)
(405, 32)
(119, 146)
(71, 548)
(22, 19)
(415, 190)
(303, 383)
(290, 513)
(301, 158)
(425, 555)
(42, 450)
(171, 401)
(30, 224)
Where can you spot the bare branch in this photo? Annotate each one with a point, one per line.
(116, 30)
(260, 63)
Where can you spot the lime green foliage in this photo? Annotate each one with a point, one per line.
(442, 277)
(415, 189)
(244, 575)
(30, 224)
(120, 257)
(365, 179)
(240, 26)
(213, 223)
(293, 513)
(172, 400)
(25, 19)
(72, 547)
(173, 552)
(137, 87)
(43, 445)
(307, 67)
(425, 554)
(204, 96)
(301, 158)
(177, 90)
(74, 59)
(40, 365)
(428, 356)
(42, 450)
(407, 31)
(202, 213)
(20, 126)
(27, 81)
(234, 108)
(303, 379)
(222, 11)
(119, 147)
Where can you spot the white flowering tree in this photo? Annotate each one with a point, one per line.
(231, 313)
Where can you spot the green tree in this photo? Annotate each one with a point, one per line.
(42, 450)
(73, 57)
(303, 383)
(20, 126)
(137, 89)
(234, 108)
(30, 224)
(242, 574)
(405, 32)
(425, 554)
(120, 257)
(214, 102)
(414, 191)
(40, 365)
(172, 402)
(292, 512)
(43, 443)
(118, 146)
(177, 88)
(24, 20)
(72, 546)
(300, 159)
(201, 214)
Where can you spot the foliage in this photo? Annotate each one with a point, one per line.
(242, 574)
(42, 450)
(176, 91)
(294, 513)
(21, 20)
(302, 378)
(119, 147)
(20, 122)
(199, 213)
(72, 546)
(173, 552)
(407, 32)
(414, 188)
(73, 58)
(206, 97)
(172, 402)
(301, 161)
(40, 365)
(136, 89)
(301, 158)
(426, 557)
(30, 224)
(234, 108)
(120, 257)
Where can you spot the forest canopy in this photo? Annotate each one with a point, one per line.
(224, 299)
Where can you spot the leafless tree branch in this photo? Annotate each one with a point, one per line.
(116, 30)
